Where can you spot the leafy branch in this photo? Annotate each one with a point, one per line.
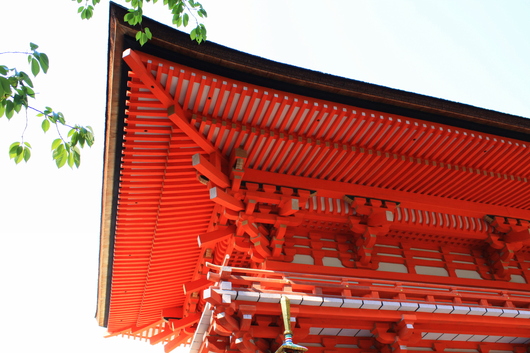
(16, 90)
(180, 9)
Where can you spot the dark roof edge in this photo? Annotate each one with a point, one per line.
(169, 43)
(114, 121)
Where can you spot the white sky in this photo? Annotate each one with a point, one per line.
(474, 52)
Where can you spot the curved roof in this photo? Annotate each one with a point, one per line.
(173, 99)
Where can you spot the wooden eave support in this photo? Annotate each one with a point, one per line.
(224, 199)
(174, 111)
(159, 337)
(138, 329)
(337, 190)
(173, 312)
(197, 285)
(210, 171)
(212, 238)
(187, 321)
(137, 66)
(177, 115)
(174, 343)
(177, 325)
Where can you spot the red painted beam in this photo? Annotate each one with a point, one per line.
(175, 342)
(197, 285)
(137, 66)
(337, 190)
(211, 238)
(222, 198)
(293, 268)
(209, 170)
(177, 115)
(344, 317)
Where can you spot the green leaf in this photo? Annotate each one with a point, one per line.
(143, 38)
(3, 70)
(27, 154)
(27, 144)
(180, 6)
(10, 111)
(61, 160)
(71, 132)
(77, 157)
(58, 151)
(26, 78)
(74, 138)
(185, 19)
(148, 33)
(13, 149)
(33, 46)
(5, 87)
(71, 160)
(177, 20)
(35, 67)
(45, 125)
(17, 104)
(89, 12)
(29, 92)
(20, 155)
(56, 143)
(44, 62)
(61, 119)
(81, 139)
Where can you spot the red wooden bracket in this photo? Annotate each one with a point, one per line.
(223, 198)
(211, 238)
(210, 171)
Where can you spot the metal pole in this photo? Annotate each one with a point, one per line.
(288, 346)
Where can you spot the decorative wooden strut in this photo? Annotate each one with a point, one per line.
(398, 333)
(372, 218)
(508, 237)
(231, 327)
(236, 326)
(256, 215)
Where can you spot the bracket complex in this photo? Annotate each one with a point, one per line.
(372, 218)
(504, 241)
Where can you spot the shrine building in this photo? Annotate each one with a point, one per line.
(392, 221)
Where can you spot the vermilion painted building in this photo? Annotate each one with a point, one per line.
(392, 221)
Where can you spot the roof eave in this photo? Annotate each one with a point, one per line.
(179, 44)
(110, 168)
(217, 56)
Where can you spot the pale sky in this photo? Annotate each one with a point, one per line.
(474, 52)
